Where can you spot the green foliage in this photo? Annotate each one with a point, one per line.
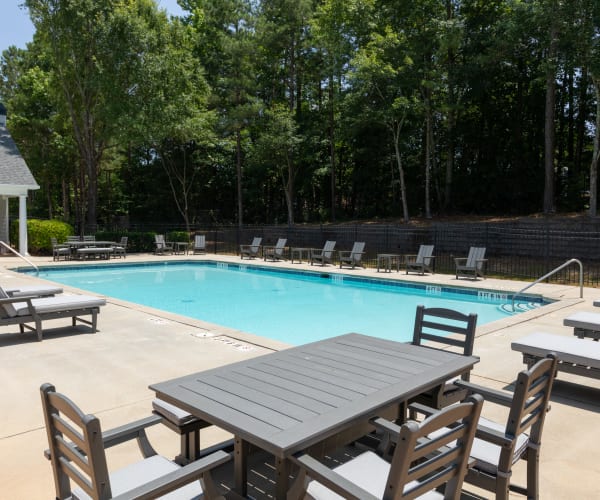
(39, 233)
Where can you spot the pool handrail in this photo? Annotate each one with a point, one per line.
(547, 275)
(19, 255)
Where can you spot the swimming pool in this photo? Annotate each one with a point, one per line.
(287, 305)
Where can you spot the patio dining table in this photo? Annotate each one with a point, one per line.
(316, 396)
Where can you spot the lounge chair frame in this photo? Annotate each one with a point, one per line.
(276, 251)
(352, 258)
(323, 256)
(199, 244)
(162, 246)
(473, 265)
(421, 262)
(252, 250)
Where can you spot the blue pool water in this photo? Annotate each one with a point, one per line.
(290, 306)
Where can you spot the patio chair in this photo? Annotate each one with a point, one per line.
(60, 250)
(161, 246)
(77, 452)
(497, 448)
(322, 256)
(251, 250)
(275, 252)
(421, 262)
(444, 327)
(199, 244)
(473, 265)
(33, 291)
(121, 248)
(417, 467)
(353, 257)
(23, 310)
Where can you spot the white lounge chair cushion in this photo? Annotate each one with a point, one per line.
(583, 319)
(171, 412)
(30, 290)
(54, 304)
(139, 473)
(370, 472)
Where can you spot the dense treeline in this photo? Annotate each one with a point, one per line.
(307, 110)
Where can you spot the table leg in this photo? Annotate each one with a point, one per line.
(240, 453)
(282, 475)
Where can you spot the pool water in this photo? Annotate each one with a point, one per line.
(290, 306)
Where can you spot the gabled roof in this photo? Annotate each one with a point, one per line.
(15, 176)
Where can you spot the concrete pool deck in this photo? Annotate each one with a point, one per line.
(108, 374)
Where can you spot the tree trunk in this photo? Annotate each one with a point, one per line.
(332, 148)
(596, 153)
(238, 168)
(428, 152)
(549, 132)
(396, 129)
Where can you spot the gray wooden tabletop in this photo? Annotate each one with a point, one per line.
(288, 400)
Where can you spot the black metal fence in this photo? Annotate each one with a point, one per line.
(515, 250)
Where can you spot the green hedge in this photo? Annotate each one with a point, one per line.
(39, 233)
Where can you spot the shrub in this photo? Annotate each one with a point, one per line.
(39, 233)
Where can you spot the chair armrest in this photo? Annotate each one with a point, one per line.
(460, 260)
(176, 479)
(492, 436)
(127, 432)
(491, 395)
(386, 426)
(331, 479)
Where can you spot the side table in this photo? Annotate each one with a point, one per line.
(386, 260)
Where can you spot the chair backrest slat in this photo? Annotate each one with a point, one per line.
(328, 248)
(425, 252)
(475, 256)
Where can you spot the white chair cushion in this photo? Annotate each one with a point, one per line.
(143, 472)
(9, 309)
(370, 472)
(33, 290)
(488, 454)
(56, 304)
(172, 413)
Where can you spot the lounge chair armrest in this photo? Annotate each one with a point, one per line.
(24, 298)
(492, 436)
(177, 478)
(128, 431)
(481, 260)
(331, 479)
(491, 395)
(423, 409)
(386, 426)
(460, 260)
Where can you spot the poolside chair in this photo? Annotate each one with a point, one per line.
(121, 248)
(161, 246)
(251, 250)
(473, 265)
(199, 244)
(445, 328)
(33, 291)
(77, 452)
(353, 257)
(322, 256)
(275, 252)
(60, 250)
(23, 310)
(421, 262)
(497, 448)
(416, 468)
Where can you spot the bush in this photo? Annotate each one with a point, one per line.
(137, 241)
(39, 233)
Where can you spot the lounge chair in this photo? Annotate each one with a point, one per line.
(161, 246)
(199, 244)
(497, 448)
(352, 258)
(416, 470)
(473, 265)
(120, 249)
(444, 327)
(23, 310)
(77, 452)
(323, 256)
(576, 356)
(251, 250)
(275, 252)
(60, 250)
(33, 291)
(421, 262)
(585, 324)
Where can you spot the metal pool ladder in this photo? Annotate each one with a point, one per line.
(554, 271)
(37, 271)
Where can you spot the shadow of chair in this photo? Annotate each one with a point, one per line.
(199, 244)
(446, 328)
(352, 258)
(417, 467)
(275, 252)
(498, 447)
(323, 256)
(422, 261)
(77, 453)
(473, 265)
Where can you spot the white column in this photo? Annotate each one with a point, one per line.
(4, 230)
(23, 225)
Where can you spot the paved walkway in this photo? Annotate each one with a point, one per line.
(108, 374)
